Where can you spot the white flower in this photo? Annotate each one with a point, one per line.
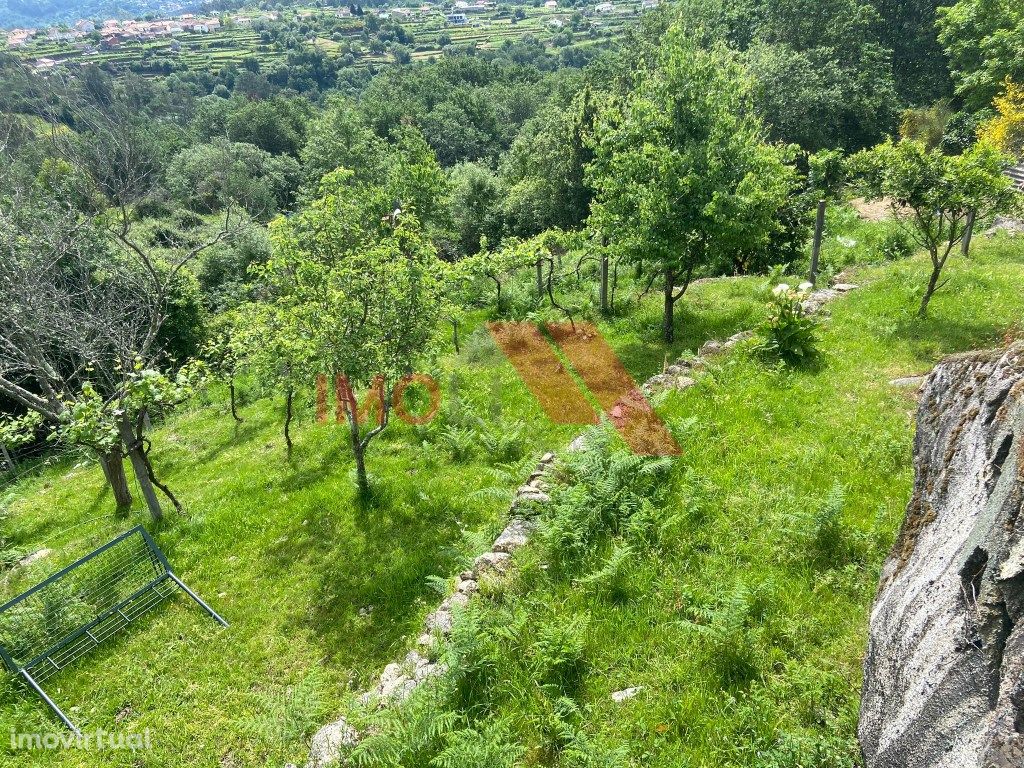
(805, 286)
(780, 289)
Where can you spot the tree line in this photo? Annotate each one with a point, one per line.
(155, 236)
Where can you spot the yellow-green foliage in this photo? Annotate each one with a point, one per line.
(1006, 130)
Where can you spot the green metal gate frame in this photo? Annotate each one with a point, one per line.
(158, 583)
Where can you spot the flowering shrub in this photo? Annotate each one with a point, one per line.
(789, 333)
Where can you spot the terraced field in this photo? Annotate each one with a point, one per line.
(231, 44)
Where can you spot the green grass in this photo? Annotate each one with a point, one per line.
(286, 553)
(768, 532)
(740, 603)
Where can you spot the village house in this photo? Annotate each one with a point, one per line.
(604, 8)
(17, 38)
(456, 18)
(62, 35)
(84, 26)
(551, 4)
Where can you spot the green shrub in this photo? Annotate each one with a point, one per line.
(600, 490)
(789, 333)
(892, 244)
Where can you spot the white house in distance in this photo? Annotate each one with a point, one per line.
(16, 38)
(456, 18)
(604, 8)
(551, 4)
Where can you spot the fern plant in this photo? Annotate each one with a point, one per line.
(599, 491)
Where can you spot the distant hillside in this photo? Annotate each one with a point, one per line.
(35, 13)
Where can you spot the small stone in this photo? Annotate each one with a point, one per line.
(426, 640)
(366, 610)
(844, 287)
(526, 493)
(496, 562)
(393, 680)
(578, 443)
(325, 748)
(460, 599)
(516, 535)
(440, 621)
(415, 660)
(908, 381)
(684, 382)
(35, 557)
(710, 348)
(738, 338)
(467, 586)
(626, 693)
(466, 575)
(547, 458)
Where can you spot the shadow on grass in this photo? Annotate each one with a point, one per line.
(693, 327)
(381, 566)
(933, 337)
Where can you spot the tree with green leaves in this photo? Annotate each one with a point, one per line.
(544, 169)
(934, 196)
(683, 178)
(208, 177)
(362, 292)
(984, 40)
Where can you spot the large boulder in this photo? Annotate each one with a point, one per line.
(944, 673)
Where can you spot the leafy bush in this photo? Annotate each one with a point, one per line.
(789, 333)
(892, 244)
(732, 631)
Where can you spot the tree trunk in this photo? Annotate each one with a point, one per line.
(604, 283)
(668, 327)
(163, 488)
(234, 412)
(455, 335)
(139, 466)
(113, 470)
(933, 282)
(965, 244)
(288, 421)
(6, 457)
(819, 231)
(540, 279)
(358, 452)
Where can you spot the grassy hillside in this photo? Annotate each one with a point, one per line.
(734, 587)
(738, 602)
(429, 31)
